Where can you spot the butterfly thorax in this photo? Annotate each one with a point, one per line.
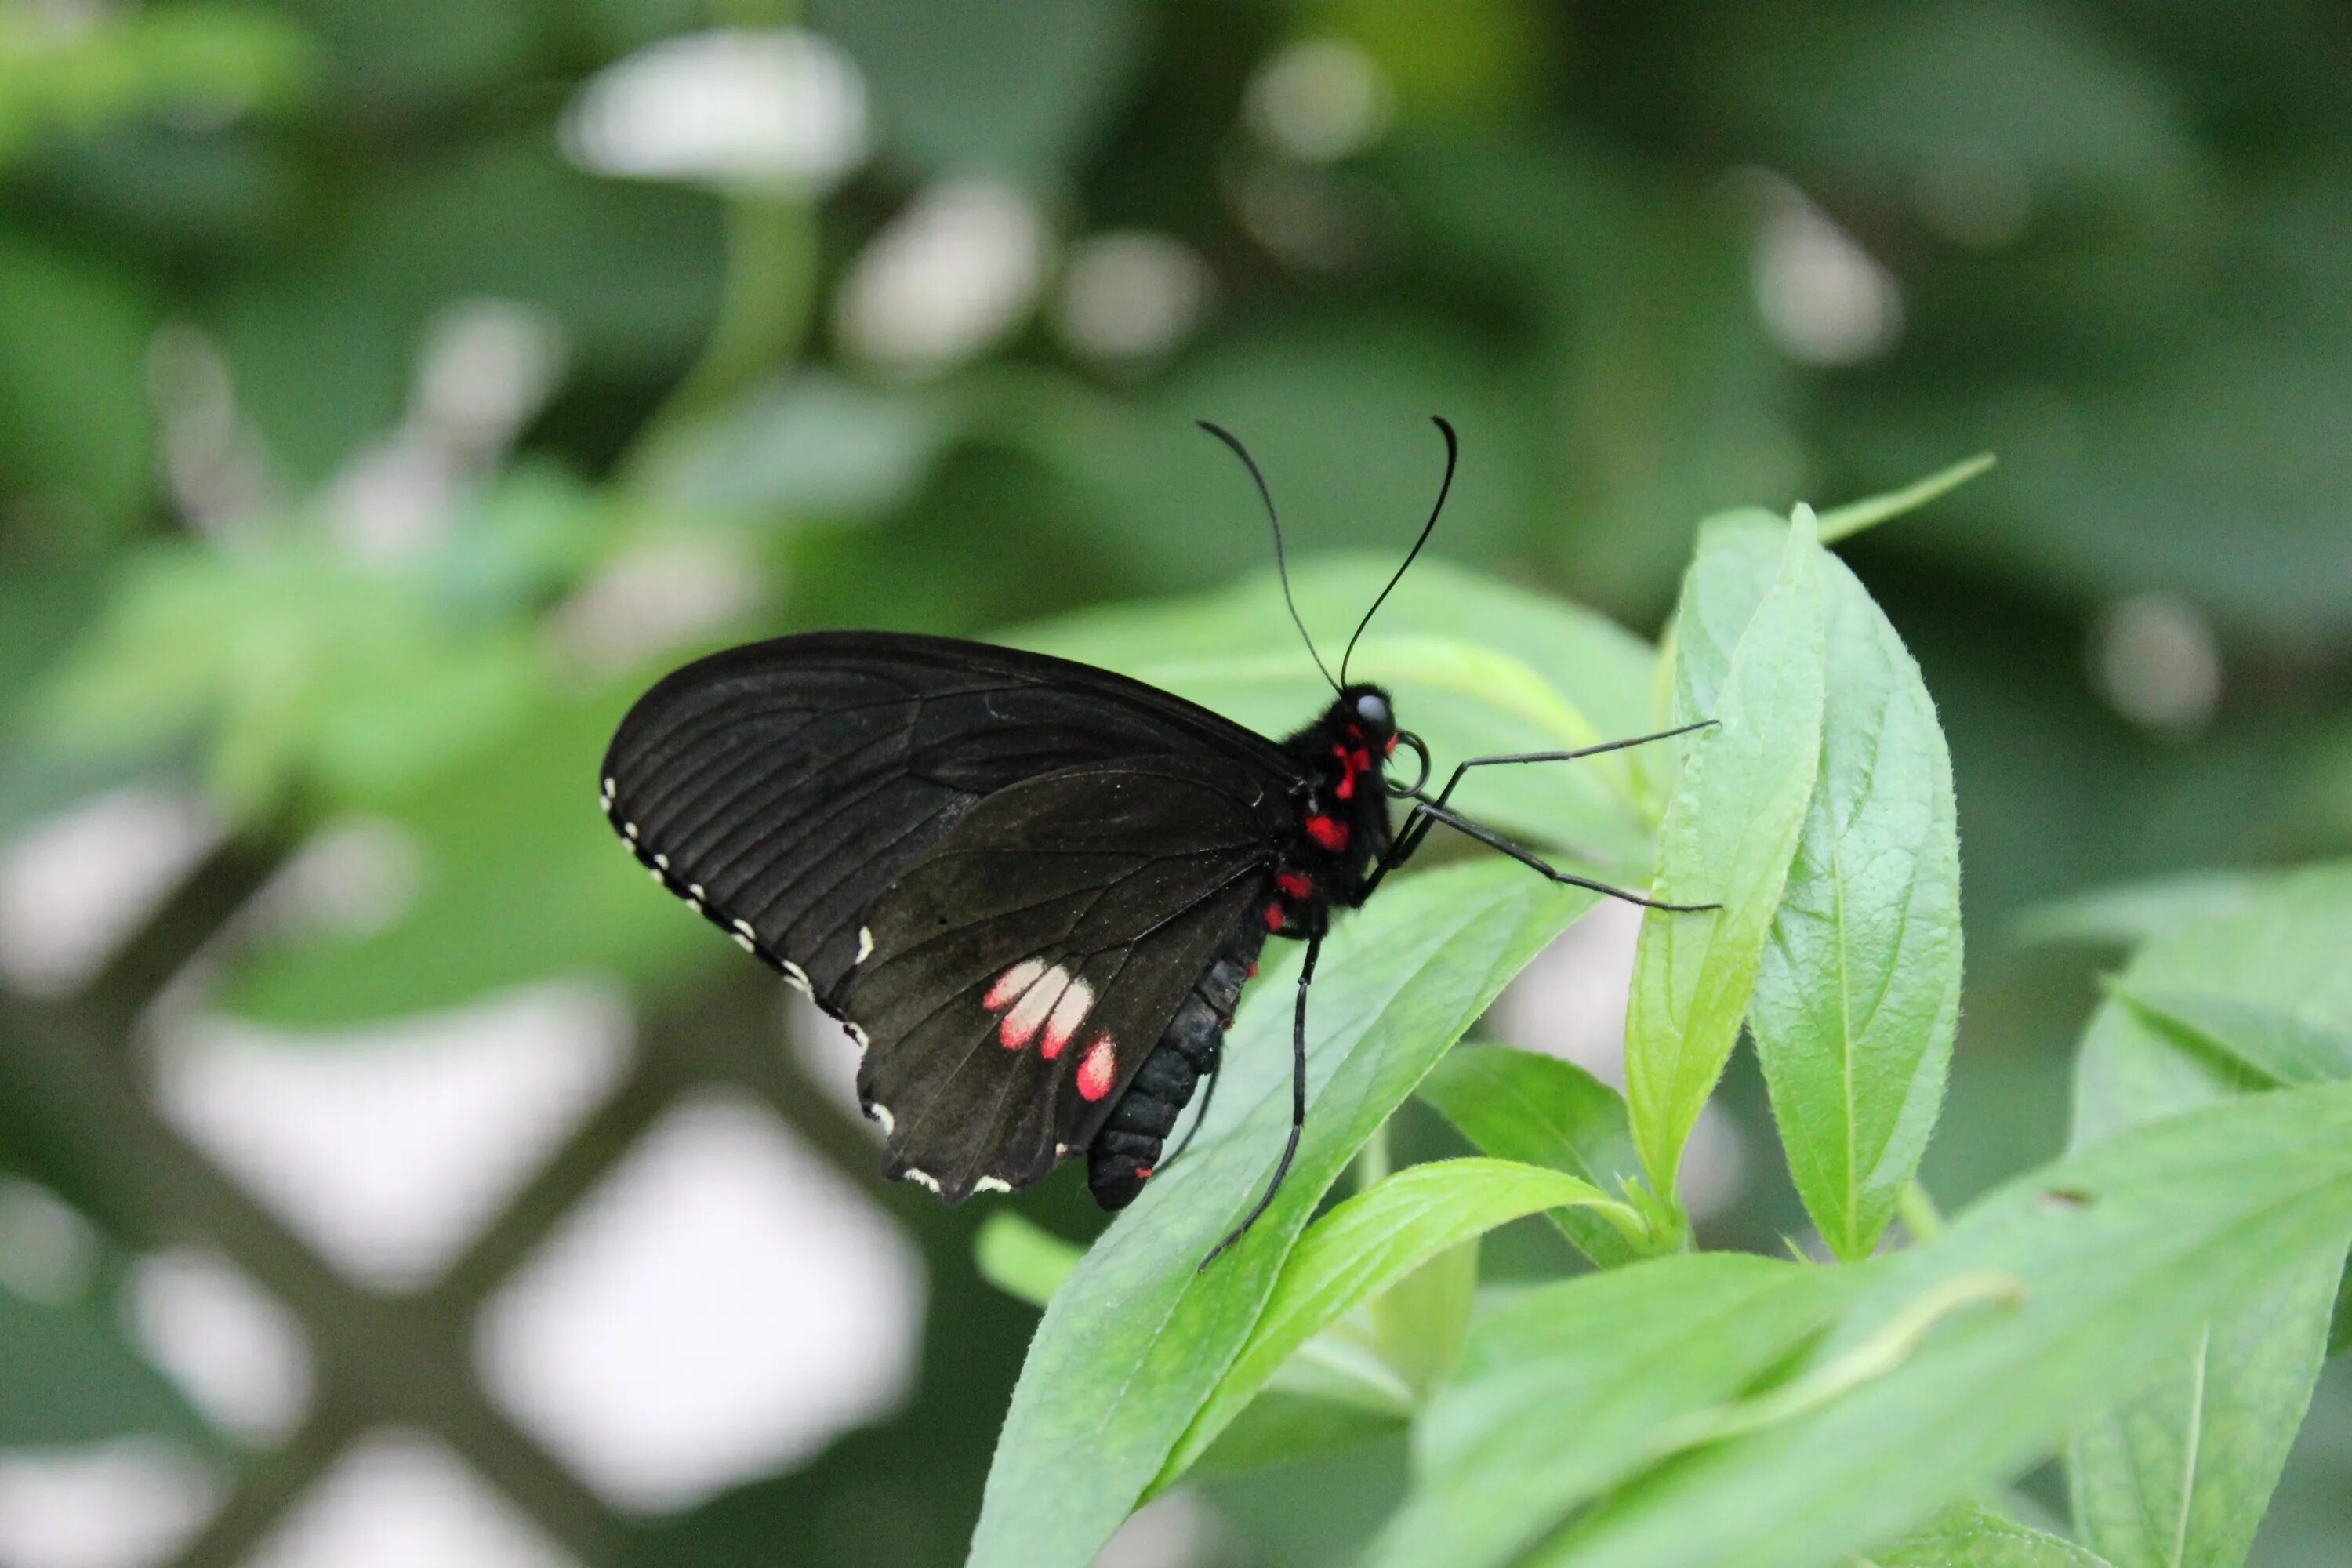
(1342, 805)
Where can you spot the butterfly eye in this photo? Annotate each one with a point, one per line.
(1373, 710)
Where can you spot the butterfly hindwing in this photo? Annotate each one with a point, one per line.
(784, 786)
(1021, 971)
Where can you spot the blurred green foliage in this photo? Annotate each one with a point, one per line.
(1653, 261)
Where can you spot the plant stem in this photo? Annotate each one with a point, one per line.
(1918, 1212)
(1373, 1160)
(764, 311)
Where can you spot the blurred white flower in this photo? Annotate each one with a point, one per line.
(954, 272)
(1320, 101)
(1823, 298)
(2153, 657)
(1131, 295)
(781, 109)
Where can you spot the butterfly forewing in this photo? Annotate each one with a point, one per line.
(1020, 973)
(783, 786)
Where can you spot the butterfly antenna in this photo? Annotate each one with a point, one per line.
(1453, 450)
(1281, 567)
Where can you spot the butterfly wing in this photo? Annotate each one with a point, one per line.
(783, 787)
(1018, 975)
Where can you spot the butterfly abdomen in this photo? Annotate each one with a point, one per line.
(1124, 1154)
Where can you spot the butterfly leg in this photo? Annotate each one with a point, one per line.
(1298, 1099)
(1428, 813)
(1530, 858)
(1208, 1097)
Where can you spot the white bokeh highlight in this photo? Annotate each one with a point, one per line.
(240, 1356)
(398, 1499)
(779, 109)
(719, 1309)
(74, 886)
(1320, 99)
(2155, 659)
(1131, 295)
(954, 272)
(109, 1505)
(388, 1148)
(1822, 298)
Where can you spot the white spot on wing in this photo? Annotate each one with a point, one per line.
(856, 1034)
(743, 941)
(795, 976)
(1061, 1150)
(1020, 1023)
(611, 789)
(1068, 1013)
(1012, 983)
(881, 1113)
(655, 873)
(662, 861)
(865, 945)
(923, 1179)
(990, 1184)
(631, 829)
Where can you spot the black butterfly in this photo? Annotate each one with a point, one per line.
(1030, 889)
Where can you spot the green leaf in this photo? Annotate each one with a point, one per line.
(2133, 912)
(522, 878)
(2283, 1048)
(1419, 1323)
(1971, 1537)
(1859, 987)
(1279, 1428)
(1367, 1244)
(1731, 831)
(1022, 1259)
(2180, 1473)
(1561, 1391)
(1541, 1111)
(68, 1374)
(1400, 982)
(1012, 91)
(1845, 522)
(75, 418)
(2121, 1252)
(1477, 667)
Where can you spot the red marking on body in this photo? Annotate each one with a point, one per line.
(1328, 832)
(1143, 1172)
(1275, 915)
(1101, 1066)
(1347, 789)
(1389, 749)
(1294, 884)
(1251, 972)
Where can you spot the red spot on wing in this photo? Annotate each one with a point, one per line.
(1143, 1172)
(1328, 832)
(1275, 916)
(1099, 1070)
(1294, 884)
